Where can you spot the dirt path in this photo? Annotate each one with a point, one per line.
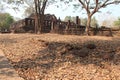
(6, 70)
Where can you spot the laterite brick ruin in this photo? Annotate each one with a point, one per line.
(54, 25)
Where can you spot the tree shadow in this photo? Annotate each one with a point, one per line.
(56, 53)
(7, 41)
(104, 52)
(5, 68)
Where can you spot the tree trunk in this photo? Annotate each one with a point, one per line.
(39, 27)
(40, 8)
(36, 17)
(41, 23)
(36, 23)
(88, 25)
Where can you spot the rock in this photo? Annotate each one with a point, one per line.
(63, 49)
(108, 56)
(44, 43)
(68, 47)
(81, 53)
(91, 46)
(41, 40)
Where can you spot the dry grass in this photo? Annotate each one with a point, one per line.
(48, 56)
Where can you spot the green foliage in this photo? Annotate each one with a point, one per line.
(94, 22)
(68, 18)
(117, 23)
(84, 21)
(72, 19)
(5, 21)
(30, 5)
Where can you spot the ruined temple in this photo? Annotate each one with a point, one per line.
(28, 24)
(54, 25)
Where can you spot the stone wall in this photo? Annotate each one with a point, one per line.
(54, 25)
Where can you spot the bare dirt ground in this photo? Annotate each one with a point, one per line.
(63, 57)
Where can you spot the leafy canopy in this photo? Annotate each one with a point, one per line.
(117, 23)
(5, 21)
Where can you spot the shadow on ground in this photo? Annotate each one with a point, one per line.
(56, 53)
(5, 68)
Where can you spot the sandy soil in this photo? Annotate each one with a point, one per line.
(60, 57)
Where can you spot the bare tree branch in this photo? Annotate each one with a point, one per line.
(44, 5)
(85, 6)
(94, 6)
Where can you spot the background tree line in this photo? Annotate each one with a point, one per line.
(5, 20)
(117, 23)
(83, 21)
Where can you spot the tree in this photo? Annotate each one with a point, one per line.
(39, 8)
(67, 18)
(72, 19)
(5, 21)
(94, 22)
(93, 6)
(105, 23)
(84, 21)
(30, 8)
(117, 23)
